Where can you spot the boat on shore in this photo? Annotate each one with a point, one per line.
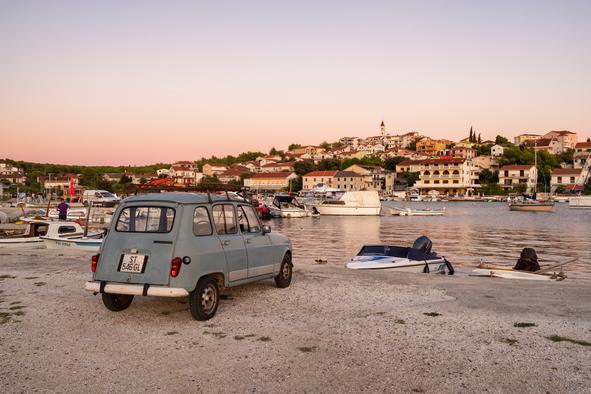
(86, 244)
(354, 203)
(396, 211)
(417, 259)
(27, 235)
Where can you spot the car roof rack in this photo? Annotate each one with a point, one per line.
(209, 188)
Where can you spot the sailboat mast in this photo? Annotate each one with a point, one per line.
(536, 165)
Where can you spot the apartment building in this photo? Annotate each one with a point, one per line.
(510, 176)
(271, 181)
(569, 179)
(342, 180)
(565, 140)
(447, 177)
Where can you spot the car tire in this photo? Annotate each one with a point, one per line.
(117, 302)
(85, 203)
(204, 300)
(283, 278)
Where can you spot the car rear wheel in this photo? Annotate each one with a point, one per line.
(283, 278)
(204, 299)
(117, 302)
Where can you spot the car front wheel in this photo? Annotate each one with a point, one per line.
(204, 299)
(283, 278)
(117, 302)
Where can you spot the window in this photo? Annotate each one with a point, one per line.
(572, 179)
(66, 229)
(201, 222)
(436, 181)
(455, 181)
(145, 220)
(224, 219)
(559, 179)
(427, 181)
(445, 181)
(248, 219)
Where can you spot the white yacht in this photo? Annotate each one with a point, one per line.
(362, 203)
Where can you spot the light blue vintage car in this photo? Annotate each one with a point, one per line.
(186, 244)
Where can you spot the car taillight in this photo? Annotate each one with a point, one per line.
(95, 259)
(175, 266)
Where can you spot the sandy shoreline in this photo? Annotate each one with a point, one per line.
(333, 330)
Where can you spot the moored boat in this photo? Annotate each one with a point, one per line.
(580, 202)
(532, 206)
(417, 212)
(286, 206)
(354, 203)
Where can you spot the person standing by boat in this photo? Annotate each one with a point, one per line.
(62, 209)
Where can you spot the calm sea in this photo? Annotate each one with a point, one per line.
(469, 232)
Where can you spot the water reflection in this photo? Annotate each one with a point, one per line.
(469, 232)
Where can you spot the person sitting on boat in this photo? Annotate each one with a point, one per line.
(528, 261)
(62, 208)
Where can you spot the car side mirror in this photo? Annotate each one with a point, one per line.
(266, 229)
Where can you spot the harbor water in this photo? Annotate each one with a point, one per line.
(470, 232)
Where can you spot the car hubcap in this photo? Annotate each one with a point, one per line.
(208, 299)
(285, 271)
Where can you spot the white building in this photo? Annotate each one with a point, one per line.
(497, 150)
(510, 176)
(447, 177)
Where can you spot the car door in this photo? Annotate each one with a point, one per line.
(258, 245)
(224, 219)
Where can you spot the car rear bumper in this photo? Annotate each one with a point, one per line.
(131, 289)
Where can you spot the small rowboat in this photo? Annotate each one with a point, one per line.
(510, 273)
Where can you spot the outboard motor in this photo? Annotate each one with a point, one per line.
(423, 244)
(528, 261)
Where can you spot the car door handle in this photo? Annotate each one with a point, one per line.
(226, 242)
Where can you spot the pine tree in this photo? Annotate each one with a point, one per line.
(479, 139)
(471, 135)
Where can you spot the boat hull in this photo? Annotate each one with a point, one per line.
(348, 210)
(581, 202)
(289, 213)
(417, 212)
(400, 265)
(24, 242)
(532, 207)
(88, 245)
(507, 274)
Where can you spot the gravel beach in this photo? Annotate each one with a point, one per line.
(333, 330)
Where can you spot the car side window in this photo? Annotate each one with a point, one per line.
(201, 222)
(251, 219)
(224, 219)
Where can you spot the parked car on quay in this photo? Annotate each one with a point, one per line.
(186, 244)
(100, 198)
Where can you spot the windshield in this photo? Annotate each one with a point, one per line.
(107, 194)
(145, 220)
(383, 250)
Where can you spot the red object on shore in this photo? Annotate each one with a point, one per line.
(72, 191)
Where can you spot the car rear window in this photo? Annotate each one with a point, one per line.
(145, 220)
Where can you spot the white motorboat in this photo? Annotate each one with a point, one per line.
(417, 212)
(354, 203)
(82, 243)
(34, 232)
(417, 259)
(26, 235)
(286, 206)
(73, 213)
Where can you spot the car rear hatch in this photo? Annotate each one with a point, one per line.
(140, 246)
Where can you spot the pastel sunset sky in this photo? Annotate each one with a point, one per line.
(139, 82)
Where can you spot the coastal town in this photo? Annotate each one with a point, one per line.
(390, 163)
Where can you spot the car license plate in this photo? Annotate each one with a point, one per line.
(133, 263)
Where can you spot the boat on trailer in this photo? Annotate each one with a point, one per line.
(27, 235)
(418, 259)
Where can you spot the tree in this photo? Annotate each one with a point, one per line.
(210, 179)
(479, 139)
(124, 179)
(500, 140)
(566, 157)
(273, 151)
(411, 178)
(304, 167)
(471, 136)
(293, 147)
(487, 176)
(337, 145)
(392, 162)
(325, 145)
